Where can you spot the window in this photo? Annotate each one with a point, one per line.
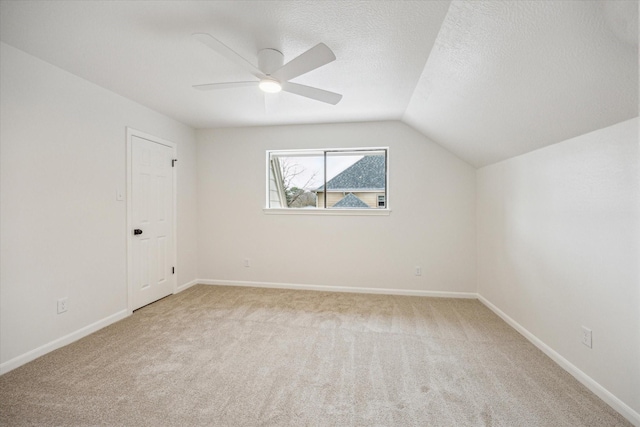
(328, 179)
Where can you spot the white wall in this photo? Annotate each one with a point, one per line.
(557, 243)
(63, 156)
(558, 236)
(432, 224)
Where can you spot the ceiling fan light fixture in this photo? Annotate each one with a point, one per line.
(270, 85)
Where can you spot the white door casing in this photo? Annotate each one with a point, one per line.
(151, 211)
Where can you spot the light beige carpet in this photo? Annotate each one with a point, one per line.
(227, 356)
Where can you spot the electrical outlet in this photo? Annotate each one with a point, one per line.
(586, 337)
(247, 262)
(418, 271)
(63, 305)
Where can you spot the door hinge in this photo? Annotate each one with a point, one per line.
(173, 162)
(173, 270)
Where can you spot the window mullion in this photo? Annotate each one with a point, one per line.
(326, 189)
(386, 174)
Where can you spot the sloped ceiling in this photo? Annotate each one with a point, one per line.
(505, 78)
(486, 80)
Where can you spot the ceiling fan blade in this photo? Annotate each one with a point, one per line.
(228, 53)
(315, 57)
(312, 92)
(229, 85)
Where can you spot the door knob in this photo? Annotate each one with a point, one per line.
(137, 231)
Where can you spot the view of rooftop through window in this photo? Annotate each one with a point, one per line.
(355, 179)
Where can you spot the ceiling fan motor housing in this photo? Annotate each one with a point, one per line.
(270, 60)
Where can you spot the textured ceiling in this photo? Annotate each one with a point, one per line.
(144, 51)
(486, 80)
(505, 78)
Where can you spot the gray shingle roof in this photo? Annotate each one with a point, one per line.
(366, 174)
(350, 201)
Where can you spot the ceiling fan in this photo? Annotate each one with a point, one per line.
(272, 75)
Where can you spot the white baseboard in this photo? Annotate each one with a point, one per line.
(61, 342)
(186, 286)
(325, 288)
(604, 394)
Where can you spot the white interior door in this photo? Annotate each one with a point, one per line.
(152, 210)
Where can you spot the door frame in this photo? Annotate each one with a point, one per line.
(174, 247)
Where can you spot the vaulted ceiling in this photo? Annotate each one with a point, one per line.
(486, 80)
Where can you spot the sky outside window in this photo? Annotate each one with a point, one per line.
(314, 165)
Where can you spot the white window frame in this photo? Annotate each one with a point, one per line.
(327, 211)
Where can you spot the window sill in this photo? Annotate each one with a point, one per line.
(342, 212)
